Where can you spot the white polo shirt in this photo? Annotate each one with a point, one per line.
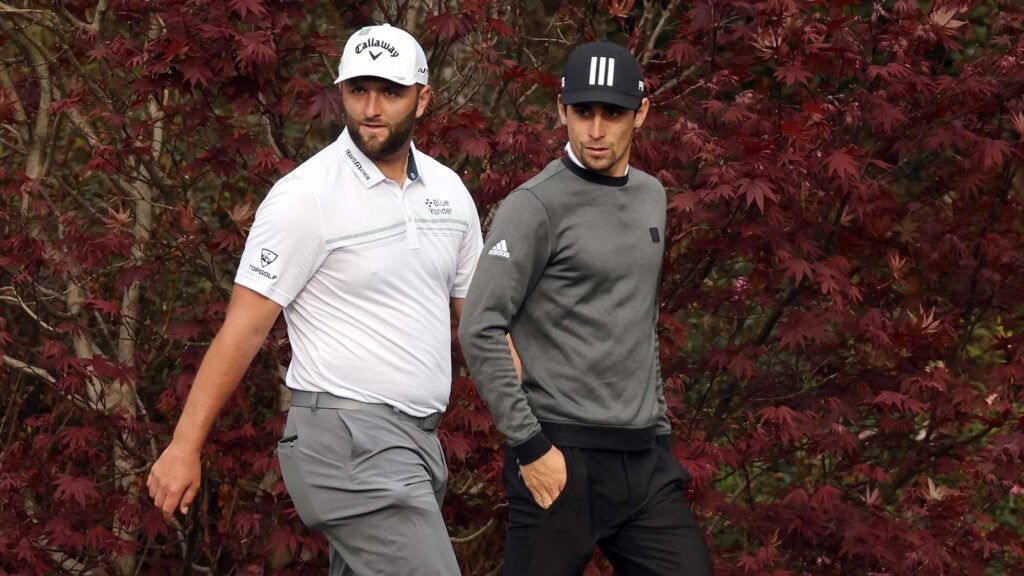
(365, 271)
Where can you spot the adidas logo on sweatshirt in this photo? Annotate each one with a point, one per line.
(500, 249)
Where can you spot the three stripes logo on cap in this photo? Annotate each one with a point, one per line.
(602, 71)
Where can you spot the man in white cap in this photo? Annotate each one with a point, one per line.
(368, 247)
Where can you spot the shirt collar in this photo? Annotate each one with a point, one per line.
(577, 162)
(412, 169)
(365, 169)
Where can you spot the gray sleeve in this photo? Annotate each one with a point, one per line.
(515, 254)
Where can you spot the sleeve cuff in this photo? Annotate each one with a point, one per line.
(664, 442)
(537, 446)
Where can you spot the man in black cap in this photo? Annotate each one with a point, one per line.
(570, 276)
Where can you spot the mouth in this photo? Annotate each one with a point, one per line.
(596, 150)
(374, 128)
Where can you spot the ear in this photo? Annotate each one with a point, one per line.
(562, 112)
(422, 101)
(641, 114)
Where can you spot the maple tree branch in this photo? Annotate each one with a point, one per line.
(979, 257)
(29, 369)
(669, 10)
(474, 535)
(913, 471)
(19, 108)
(69, 17)
(17, 299)
(97, 16)
(40, 126)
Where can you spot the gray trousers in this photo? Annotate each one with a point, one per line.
(372, 484)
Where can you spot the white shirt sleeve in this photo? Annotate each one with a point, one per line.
(469, 250)
(285, 245)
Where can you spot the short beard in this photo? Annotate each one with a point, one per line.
(595, 167)
(398, 137)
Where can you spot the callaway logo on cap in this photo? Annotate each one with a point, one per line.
(383, 52)
(603, 72)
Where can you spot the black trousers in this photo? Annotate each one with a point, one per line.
(629, 504)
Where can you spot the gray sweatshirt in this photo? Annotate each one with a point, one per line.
(570, 269)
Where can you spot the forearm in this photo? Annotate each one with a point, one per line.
(493, 364)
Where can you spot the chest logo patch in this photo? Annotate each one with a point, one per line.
(500, 249)
(439, 207)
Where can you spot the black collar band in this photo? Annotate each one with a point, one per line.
(591, 176)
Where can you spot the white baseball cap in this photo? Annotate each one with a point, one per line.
(383, 52)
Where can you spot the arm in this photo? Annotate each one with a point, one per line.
(175, 477)
(502, 281)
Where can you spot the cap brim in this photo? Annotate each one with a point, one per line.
(370, 74)
(603, 96)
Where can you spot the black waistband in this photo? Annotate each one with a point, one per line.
(599, 437)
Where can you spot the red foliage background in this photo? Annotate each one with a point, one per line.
(842, 300)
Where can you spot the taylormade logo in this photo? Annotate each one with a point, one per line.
(500, 249)
(358, 165)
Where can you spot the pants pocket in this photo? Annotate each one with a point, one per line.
(673, 466)
(571, 473)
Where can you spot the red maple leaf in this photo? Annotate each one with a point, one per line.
(456, 446)
(75, 488)
(325, 105)
(843, 165)
(793, 74)
(243, 7)
(899, 401)
(449, 26)
(993, 153)
(256, 49)
(756, 191)
(196, 74)
(476, 146)
(800, 329)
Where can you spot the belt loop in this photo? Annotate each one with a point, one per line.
(316, 396)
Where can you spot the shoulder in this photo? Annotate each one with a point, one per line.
(294, 202)
(547, 181)
(645, 180)
(647, 187)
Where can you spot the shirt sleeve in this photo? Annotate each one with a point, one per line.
(515, 255)
(285, 245)
(469, 250)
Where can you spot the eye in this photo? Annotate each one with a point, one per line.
(581, 110)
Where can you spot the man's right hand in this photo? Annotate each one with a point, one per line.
(174, 480)
(545, 477)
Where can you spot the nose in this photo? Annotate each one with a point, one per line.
(373, 105)
(596, 128)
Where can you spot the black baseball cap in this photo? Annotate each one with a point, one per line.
(603, 72)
